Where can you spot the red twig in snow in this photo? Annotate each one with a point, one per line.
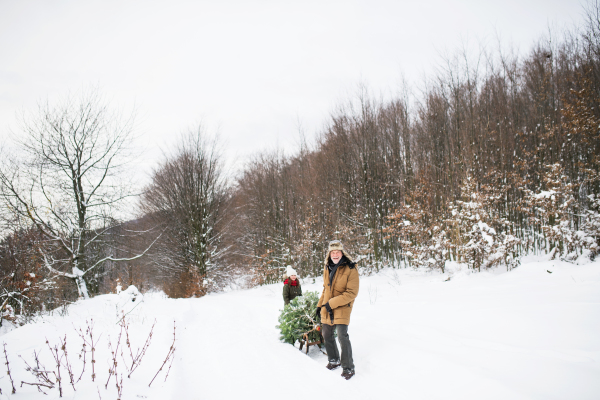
(37, 384)
(57, 359)
(82, 355)
(114, 353)
(139, 354)
(8, 370)
(169, 355)
(67, 365)
(119, 385)
(91, 343)
(40, 373)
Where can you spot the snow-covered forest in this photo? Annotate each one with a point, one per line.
(471, 203)
(497, 158)
(493, 161)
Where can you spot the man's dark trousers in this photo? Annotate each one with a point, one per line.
(331, 347)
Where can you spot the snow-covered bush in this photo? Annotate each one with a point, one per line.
(570, 226)
(7, 312)
(68, 364)
(424, 242)
(299, 317)
(431, 252)
(483, 237)
(469, 216)
(591, 226)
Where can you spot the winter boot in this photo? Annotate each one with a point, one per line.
(333, 364)
(348, 373)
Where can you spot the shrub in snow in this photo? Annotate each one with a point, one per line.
(422, 245)
(65, 367)
(570, 227)
(591, 226)
(473, 219)
(24, 284)
(505, 250)
(551, 211)
(474, 236)
(130, 294)
(432, 252)
(7, 312)
(129, 299)
(298, 317)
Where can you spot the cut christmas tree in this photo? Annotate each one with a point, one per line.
(299, 317)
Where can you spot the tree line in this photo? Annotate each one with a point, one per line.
(496, 158)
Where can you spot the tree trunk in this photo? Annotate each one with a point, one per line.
(80, 282)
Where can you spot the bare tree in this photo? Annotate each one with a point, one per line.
(188, 197)
(67, 181)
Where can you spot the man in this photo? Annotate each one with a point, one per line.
(340, 287)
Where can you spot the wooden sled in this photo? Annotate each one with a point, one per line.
(304, 341)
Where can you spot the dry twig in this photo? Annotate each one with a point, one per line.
(139, 354)
(67, 365)
(40, 373)
(8, 370)
(58, 360)
(114, 353)
(169, 355)
(91, 343)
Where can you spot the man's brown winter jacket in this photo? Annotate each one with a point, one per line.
(340, 294)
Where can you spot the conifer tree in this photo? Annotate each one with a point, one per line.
(299, 317)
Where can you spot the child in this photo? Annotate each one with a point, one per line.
(291, 285)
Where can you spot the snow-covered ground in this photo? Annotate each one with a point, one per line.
(524, 334)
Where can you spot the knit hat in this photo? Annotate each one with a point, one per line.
(290, 271)
(336, 245)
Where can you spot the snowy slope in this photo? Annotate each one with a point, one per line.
(526, 334)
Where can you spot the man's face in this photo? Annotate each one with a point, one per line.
(336, 256)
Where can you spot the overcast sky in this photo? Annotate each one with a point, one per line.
(249, 69)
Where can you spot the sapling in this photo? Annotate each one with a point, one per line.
(169, 370)
(137, 358)
(8, 370)
(169, 355)
(114, 353)
(63, 347)
(58, 360)
(91, 343)
(82, 357)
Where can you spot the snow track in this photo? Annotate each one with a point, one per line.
(526, 334)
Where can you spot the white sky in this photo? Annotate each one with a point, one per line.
(249, 69)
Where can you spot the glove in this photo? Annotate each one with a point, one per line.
(330, 311)
(318, 314)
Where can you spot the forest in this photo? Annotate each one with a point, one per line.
(496, 156)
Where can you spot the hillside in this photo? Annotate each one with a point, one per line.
(531, 333)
